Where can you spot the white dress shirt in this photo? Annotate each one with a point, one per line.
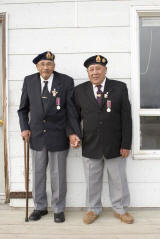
(95, 89)
(50, 80)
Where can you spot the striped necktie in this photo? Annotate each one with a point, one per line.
(99, 94)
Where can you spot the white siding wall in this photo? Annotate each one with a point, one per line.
(73, 30)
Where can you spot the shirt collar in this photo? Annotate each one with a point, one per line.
(50, 78)
(102, 84)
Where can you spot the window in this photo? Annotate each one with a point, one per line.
(146, 82)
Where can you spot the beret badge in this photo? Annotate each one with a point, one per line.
(103, 60)
(49, 56)
(98, 59)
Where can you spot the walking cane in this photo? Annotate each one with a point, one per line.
(26, 173)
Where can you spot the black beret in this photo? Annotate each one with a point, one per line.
(97, 59)
(47, 55)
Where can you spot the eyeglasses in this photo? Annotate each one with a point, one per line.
(48, 64)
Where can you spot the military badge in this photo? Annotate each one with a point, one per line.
(49, 56)
(98, 59)
(54, 92)
(106, 95)
(103, 60)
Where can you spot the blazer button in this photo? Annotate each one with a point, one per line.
(100, 122)
(44, 131)
(44, 121)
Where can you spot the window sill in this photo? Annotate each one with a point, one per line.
(148, 156)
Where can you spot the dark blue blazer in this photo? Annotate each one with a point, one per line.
(50, 128)
(104, 132)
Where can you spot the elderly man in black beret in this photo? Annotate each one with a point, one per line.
(104, 109)
(48, 119)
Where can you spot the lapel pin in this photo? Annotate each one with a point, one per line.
(54, 92)
(106, 95)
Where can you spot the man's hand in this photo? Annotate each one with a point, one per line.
(74, 141)
(124, 152)
(25, 135)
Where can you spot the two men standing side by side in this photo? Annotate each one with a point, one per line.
(104, 108)
(48, 119)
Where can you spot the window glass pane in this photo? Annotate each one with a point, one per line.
(150, 62)
(150, 132)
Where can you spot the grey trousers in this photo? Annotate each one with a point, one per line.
(57, 165)
(117, 180)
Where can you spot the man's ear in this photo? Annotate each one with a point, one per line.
(37, 67)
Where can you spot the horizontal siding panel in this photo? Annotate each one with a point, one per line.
(14, 88)
(119, 65)
(143, 170)
(13, 120)
(16, 145)
(103, 14)
(145, 194)
(69, 40)
(16, 2)
(40, 15)
(110, 2)
(20, 202)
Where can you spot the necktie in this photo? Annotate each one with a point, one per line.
(45, 95)
(99, 94)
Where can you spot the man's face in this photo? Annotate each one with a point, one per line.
(96, 73)
(45, 68)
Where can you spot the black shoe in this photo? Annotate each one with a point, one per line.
(36, 214)
(59, 217)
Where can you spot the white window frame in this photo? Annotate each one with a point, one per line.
(136, 12)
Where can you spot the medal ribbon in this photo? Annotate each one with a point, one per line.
(109, 104)
(57, 101)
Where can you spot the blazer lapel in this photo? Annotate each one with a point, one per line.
(37, 91)
(90, 94)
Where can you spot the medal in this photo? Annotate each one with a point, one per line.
(58, 103)
(106, 95)
(54, 92)
(108, 104)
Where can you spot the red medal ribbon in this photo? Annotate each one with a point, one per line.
(109, 104)
(57, 100)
